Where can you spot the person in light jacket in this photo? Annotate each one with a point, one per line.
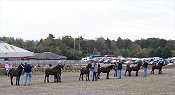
(95, 70)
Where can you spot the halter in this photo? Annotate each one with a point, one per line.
(22, 66)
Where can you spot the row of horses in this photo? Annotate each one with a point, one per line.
(86, 70)
(129, 69)
(17, 72)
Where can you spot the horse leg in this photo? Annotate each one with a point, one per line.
(88, 77)
(152, 71)
(82, 77)
(16, 80)
(107, 77)
(160, 72)
(129, 73)
(98, 75)
(125, 72)
(136, 73)
(79, 77)
(11, 78)
(47, 78)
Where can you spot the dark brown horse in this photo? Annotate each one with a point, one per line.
(105, 70)
(158, 66)
(133, 67)
(53, 71)
(16, 72)
(85, 71)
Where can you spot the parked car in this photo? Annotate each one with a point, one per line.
(107, 61)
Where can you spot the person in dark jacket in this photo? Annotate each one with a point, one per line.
(119, 69)
(145, 65)
(28, 72)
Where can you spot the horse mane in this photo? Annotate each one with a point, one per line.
(89, 66)
(20, 66)
(57, 66)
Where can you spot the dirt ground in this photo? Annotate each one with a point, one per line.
(163, 84)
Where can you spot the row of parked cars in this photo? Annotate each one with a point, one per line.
(150, 60)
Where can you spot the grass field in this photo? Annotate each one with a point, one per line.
(163, 84)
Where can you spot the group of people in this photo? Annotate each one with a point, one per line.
(117, 69)
(57, 76)
(27, 70)
(144, 65)
(7, 68)
(95, 68)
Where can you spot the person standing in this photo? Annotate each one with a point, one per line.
(7, 68)
(57, 77)
(145, 65)
(95, 70)
(115, 69)
(119, 69)
(28, 72)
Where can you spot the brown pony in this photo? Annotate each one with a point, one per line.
(158, 66)
(53, 71)
(16, 72)
(105, 70)
(85, 71)
(130, 68)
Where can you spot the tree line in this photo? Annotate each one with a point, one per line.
(76, 48)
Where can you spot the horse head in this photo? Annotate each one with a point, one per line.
(139, 64)
(60, 66)
(162, 63)
(21, 66)
(89, 66)
(111, 67)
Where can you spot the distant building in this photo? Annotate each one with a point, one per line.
(11, 52)
(46, 56)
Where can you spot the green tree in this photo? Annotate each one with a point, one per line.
(100, 44)
(166, 52)
(68, 41)
(143, 53)
(152, 53)
(158, 52)
(30, 45)
(135, 49)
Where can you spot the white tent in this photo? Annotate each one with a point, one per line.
(7, 51)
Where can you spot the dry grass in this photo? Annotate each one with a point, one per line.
(163, 84)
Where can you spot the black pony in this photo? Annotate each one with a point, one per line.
(85, 71)
(53, 71)
(158, 66)
(133, 67)
(16, 72)
(105, 70)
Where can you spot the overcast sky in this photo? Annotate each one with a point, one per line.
(133, 19)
